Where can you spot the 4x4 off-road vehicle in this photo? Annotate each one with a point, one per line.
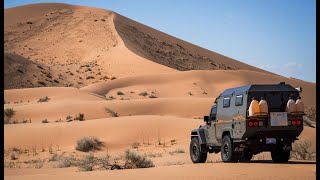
(230, 130)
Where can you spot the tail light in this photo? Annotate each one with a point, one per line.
(298, 122)
(293, 123)
(255, 123)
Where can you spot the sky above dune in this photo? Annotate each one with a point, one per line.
(278, 36)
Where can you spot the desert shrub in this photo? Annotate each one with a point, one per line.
(190, 93)
(134, 160)
(120, 93)
(153, 155)
(87, 163)
(152, 96)
(112, 113)
(54, 157)
(86, 144)
(301, 150)
(177, 151)
(143, 94)
(44, 99)
(66, 161)
(80, 117)
(13, 155)
(173, 141)
(135, 145)
(68, 117)
(113, 78)
(38, 163)
(8, 114)
(45, 121)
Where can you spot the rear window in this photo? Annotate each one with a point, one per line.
(239, 100)
(226, 102)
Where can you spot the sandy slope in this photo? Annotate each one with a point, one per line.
(198, 83)
(82, 45)
(75, 42)
(240, 171)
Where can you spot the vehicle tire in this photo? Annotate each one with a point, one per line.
(195, 153)
(280, 156)
(227, 152)
(246, 155)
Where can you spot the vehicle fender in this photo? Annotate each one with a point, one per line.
(200, 134)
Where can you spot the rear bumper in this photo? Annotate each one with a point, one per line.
(272, 132)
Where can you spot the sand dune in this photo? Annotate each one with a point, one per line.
(99, 44)
(198, 83)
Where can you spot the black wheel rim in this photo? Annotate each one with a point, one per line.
(194, 152)
(226, 150)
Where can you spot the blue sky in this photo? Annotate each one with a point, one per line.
(276, 35)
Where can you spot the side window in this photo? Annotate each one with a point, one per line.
(239, 100)
(213, 113)
(226, 102)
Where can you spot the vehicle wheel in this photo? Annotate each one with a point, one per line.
(227, 154)
(280, 156)
(195, 153)
(246, 155)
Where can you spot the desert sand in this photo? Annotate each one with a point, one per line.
(87, 60)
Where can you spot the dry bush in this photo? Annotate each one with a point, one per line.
(86, 144)
(112, 113)
(177, 151)
(44, 99)
(135, 145)
(173, 141)
(45, 121)
(120, 93)
(143, 93)
(13, 155)
(301, 150)
(66, 161)
(134, 160)
(152, 96)
(9, 113)
(153, 155)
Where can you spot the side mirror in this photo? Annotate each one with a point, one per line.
(299, 89)
(206, 118)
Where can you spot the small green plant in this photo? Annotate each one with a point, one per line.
(120, 93)
(9, 113)
(45, 121)
(80, 117)
(86, 144)
(112, 113)
(143, 94)
(44, 99)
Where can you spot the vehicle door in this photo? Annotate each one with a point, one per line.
(212, 126)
